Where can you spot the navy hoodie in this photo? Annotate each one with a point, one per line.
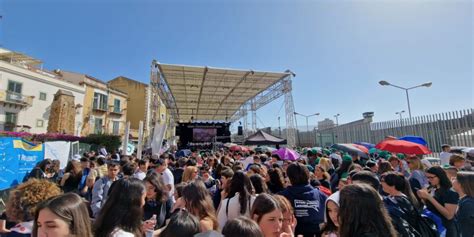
(308, 203)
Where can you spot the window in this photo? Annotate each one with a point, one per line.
(42, 96)
(98, 126)
(100, 101)
(115, 127)
(39, 123)
(14, 86)
(10, 121)
(116, 106)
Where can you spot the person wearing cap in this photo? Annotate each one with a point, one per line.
(445, 154)
(161, 167)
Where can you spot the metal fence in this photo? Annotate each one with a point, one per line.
(455, 128)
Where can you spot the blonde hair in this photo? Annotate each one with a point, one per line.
(24, 199)
(325, 163)
(188, 173)
(417, 163)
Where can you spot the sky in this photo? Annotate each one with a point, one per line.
(339, 50)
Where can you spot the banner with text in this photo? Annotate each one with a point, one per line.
(17, 158)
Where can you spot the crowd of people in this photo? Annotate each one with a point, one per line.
(234, 194)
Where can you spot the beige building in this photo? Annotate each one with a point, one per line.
(27, 92)
(104, 108)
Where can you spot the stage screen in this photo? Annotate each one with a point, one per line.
(204, 134)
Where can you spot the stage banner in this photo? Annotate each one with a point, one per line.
(158, 136)
(58, 150)
(17, 158)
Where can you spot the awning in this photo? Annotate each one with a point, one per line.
(263, 138)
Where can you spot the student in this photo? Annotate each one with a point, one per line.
(142, 169)
(22, 203)
(457, 161)
(181, 222)
(331, 227)
(239, 201)
(240, 227)
(289, 220)
(72, 177)
(161, 167)
(267, 213)
(440, 199)
(307, 201)
(102, 186)
(120, 215)
(362, 214)
(276, 181)
(62, 216)
(197, 201)
(401, 204)
(463, 184)
(157, 201)
(259, 185)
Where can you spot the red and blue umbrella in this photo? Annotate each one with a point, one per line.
(404, 147)
(415, 139)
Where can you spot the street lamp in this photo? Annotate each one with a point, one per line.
(337, 121)
(400, 113)
(386, 83)
(307, 116)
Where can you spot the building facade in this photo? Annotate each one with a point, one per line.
(147, 107)
(104, 108)
(27, 93)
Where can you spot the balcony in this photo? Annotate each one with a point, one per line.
(15, 99)
(118, 111)
(97, 108)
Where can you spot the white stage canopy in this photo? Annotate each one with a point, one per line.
(210, 94)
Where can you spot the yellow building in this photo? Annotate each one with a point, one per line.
(104, 108)
(145, 106)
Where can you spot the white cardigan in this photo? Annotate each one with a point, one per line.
(233, 210)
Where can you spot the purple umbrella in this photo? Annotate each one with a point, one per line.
(286, 154)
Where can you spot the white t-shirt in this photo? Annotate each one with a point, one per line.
(140, 175)
(233, 211)
(121, 233)
(444, 158)
(168, 178)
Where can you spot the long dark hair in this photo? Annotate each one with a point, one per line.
(276, 178)
(198, 201)
(181, 222)
(154, 179)
(362, 211)
(444, 182)
(123, 208)
(42, 164)
(259, 184)
(401, 184)
(241, 184)
(71, 209)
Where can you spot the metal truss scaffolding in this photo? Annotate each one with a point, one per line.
(215, 94)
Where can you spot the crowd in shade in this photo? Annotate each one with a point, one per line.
(324, 192)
